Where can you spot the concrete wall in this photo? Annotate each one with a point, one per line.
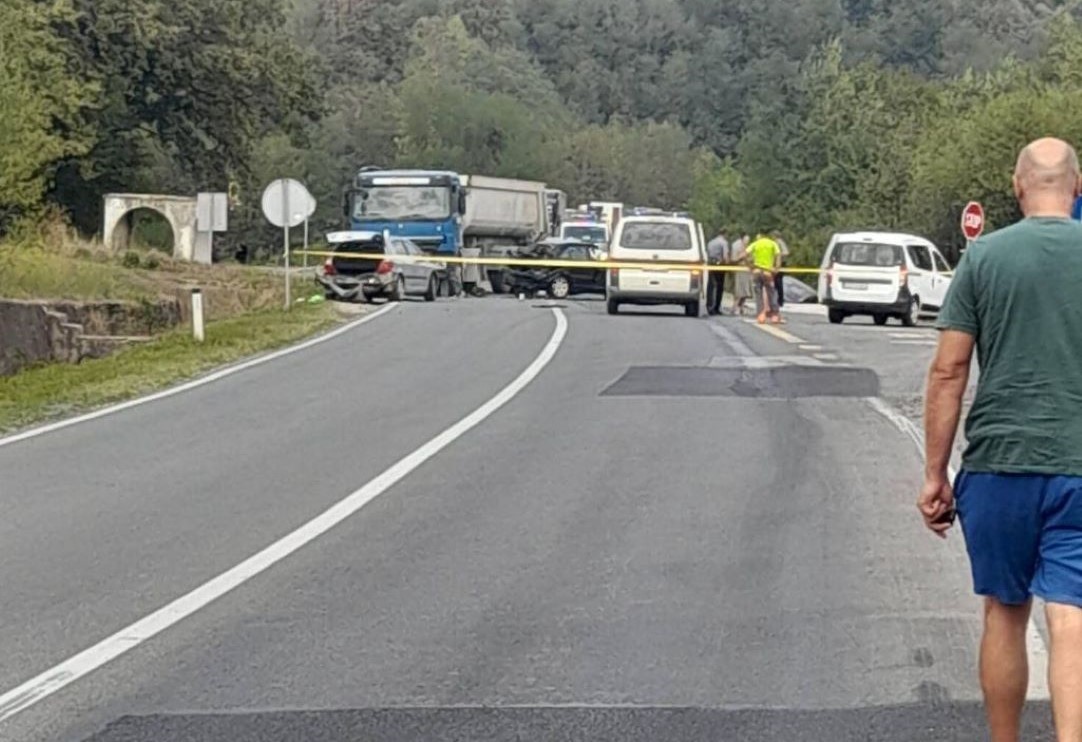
(67, 332)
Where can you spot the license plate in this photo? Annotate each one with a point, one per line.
(857, 286)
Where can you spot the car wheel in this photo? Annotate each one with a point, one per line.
(560, 288)
(398, 293)
(613, 306)
(880, 319)
(498, 281)
(836, 316)
(692, 309)
(910, 318)
(433, 290)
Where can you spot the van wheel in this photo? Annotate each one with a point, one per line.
(880, 319)
(911, 317)
(692, 309)
(433, 290)
(836, 316)
(613, 306)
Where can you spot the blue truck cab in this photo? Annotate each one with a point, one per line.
(425, 206)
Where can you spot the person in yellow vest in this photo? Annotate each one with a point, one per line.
(765, 257)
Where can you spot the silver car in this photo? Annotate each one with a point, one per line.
(378, 274)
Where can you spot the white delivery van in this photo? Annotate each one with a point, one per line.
(884, 275)
(660, 240)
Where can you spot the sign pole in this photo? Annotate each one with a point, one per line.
(305, 243)
(285, 231)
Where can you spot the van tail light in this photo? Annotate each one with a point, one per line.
(830, 276)
(328, 267)
(696, 280)
(614, 277)
(903, 276)
(384, 267)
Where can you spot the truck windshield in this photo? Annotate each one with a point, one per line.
(402, 202)
(585, 233)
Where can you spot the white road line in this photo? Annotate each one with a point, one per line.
(1035, 645)
(195, 383)
(925, 343)
(909, 335)
(827, 356)
(811, 348)
(52, 680)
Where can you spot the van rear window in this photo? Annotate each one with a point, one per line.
(656, 236)
(869, 254)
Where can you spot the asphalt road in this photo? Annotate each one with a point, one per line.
(680, 530)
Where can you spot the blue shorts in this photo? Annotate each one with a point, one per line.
(1024, 535)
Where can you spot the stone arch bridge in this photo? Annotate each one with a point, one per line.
(178, 211)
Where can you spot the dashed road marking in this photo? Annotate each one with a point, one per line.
(811, 348)
(777, 332)
(827, 356)
(925, 343)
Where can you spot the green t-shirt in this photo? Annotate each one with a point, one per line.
(1018, 291)
(764, 253)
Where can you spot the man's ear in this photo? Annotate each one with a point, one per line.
(1018, 190)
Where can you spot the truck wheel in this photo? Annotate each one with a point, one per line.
(836, 316)
(398, 293)
(496, 279)
(691, 309)
(433, 290)
(613, 306)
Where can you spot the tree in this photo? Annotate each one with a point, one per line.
(44, 106)
(201, 80)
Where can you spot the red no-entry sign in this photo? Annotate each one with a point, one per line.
(972, 220)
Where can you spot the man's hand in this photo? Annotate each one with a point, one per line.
(936, 500)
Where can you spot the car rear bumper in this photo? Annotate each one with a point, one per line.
(899, 306)
(653, 297)
(351, 288)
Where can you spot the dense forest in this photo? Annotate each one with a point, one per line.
(804, 115)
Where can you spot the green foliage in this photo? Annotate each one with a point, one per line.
(803, 115)
(43, 104)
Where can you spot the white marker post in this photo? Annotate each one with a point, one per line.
(197, 316)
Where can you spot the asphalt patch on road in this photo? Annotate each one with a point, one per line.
(783, 382)
(950, 723)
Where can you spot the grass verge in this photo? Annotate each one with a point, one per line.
(59, 390)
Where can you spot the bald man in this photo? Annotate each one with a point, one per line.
(1016, 299)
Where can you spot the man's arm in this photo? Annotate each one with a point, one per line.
(947, 379)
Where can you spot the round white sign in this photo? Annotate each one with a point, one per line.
(287, 203)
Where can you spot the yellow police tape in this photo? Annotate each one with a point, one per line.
(546, 262)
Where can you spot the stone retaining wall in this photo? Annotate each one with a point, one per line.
(67, 332)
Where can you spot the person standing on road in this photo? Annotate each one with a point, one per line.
(741, 277)
(717, 251)
(1019, 494)
(779, 277)
(765, 255)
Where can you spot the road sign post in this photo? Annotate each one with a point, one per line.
(287, 203)
(972, 222)
(211, 215)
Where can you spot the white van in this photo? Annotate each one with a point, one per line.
(882, 274)
(657, 239)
